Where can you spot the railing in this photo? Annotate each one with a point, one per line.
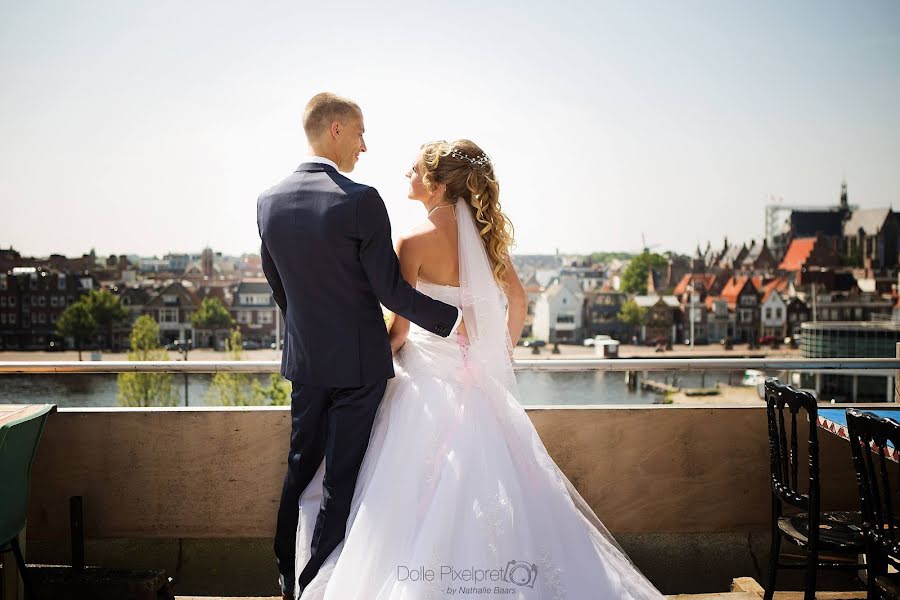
(203, 483)
(880, 366)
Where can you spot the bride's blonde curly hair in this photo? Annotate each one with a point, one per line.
(468, 174)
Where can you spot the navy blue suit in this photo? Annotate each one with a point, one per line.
(328, 255)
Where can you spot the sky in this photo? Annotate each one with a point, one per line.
(152, 127)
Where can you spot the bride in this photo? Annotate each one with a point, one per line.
(457, 495)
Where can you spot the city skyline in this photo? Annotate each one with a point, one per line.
(148, 128)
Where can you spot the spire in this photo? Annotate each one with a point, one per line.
(844, 203)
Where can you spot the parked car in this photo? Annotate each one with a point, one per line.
(534, 343)
(766, 339)
(251, 345)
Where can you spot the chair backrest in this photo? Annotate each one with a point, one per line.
(784, 456)
(18, 444)
(870, 438)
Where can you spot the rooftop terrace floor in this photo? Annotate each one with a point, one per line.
(743, 588)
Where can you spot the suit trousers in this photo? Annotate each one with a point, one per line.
(333, 424)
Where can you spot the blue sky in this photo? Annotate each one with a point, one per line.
(152, 127)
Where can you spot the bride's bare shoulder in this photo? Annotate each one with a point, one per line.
(420, 234)
(417, 239)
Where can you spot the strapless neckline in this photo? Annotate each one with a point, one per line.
(440, 285)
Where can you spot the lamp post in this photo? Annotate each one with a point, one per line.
(183, 348)
(691, 316)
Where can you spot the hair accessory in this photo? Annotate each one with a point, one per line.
(481, 161)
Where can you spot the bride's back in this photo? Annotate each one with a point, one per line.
(438, 246)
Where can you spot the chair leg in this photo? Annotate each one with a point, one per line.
(774, 551)
(20, 561)
(873, 569)
(812, 565)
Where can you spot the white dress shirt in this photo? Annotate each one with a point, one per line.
(324, 161)
(321, 161)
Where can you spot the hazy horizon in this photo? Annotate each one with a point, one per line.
(152, 128)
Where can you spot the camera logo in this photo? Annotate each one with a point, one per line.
(520, 573)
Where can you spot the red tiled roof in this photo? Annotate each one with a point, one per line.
(797, 253)
(701, 280)
(776, 285)
(733, 288)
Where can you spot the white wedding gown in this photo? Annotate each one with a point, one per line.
(457, 483)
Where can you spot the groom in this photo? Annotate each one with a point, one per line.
(328, 255)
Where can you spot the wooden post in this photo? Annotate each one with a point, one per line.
(896, 378)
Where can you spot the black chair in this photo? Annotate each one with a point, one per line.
(870, 432)
(837, 534)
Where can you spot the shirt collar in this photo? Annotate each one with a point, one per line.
(321, 161)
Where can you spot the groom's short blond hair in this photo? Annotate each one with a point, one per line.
(323, 110)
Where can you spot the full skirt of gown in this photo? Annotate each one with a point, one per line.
(458, 498)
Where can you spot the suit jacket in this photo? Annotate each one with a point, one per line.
(328, 255)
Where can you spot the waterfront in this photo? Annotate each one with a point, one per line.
(559, 388)
(537, 387)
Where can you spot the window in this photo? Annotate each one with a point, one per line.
(42, 318)
(54, 301)
(170, 300)
(12, 300)
(168, 315)
(778, 312)
(565, 318)
(2, 318)
(3, 283)
(12, 319)
(265, 316)
(62, 300)
(768, 313)
(3, 301)
(243, 317)
(748, 300)
(53, 318)
(61, 281)
(32, 283)
(42, 301)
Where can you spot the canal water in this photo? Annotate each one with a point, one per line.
(537, 387)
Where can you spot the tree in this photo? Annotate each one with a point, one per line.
(212, 315)
(107, 310)
(277, 393)
(631, 314)
(634, 279)
(605, 257)
(76, 322)
(231, 389)
(146, 389)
